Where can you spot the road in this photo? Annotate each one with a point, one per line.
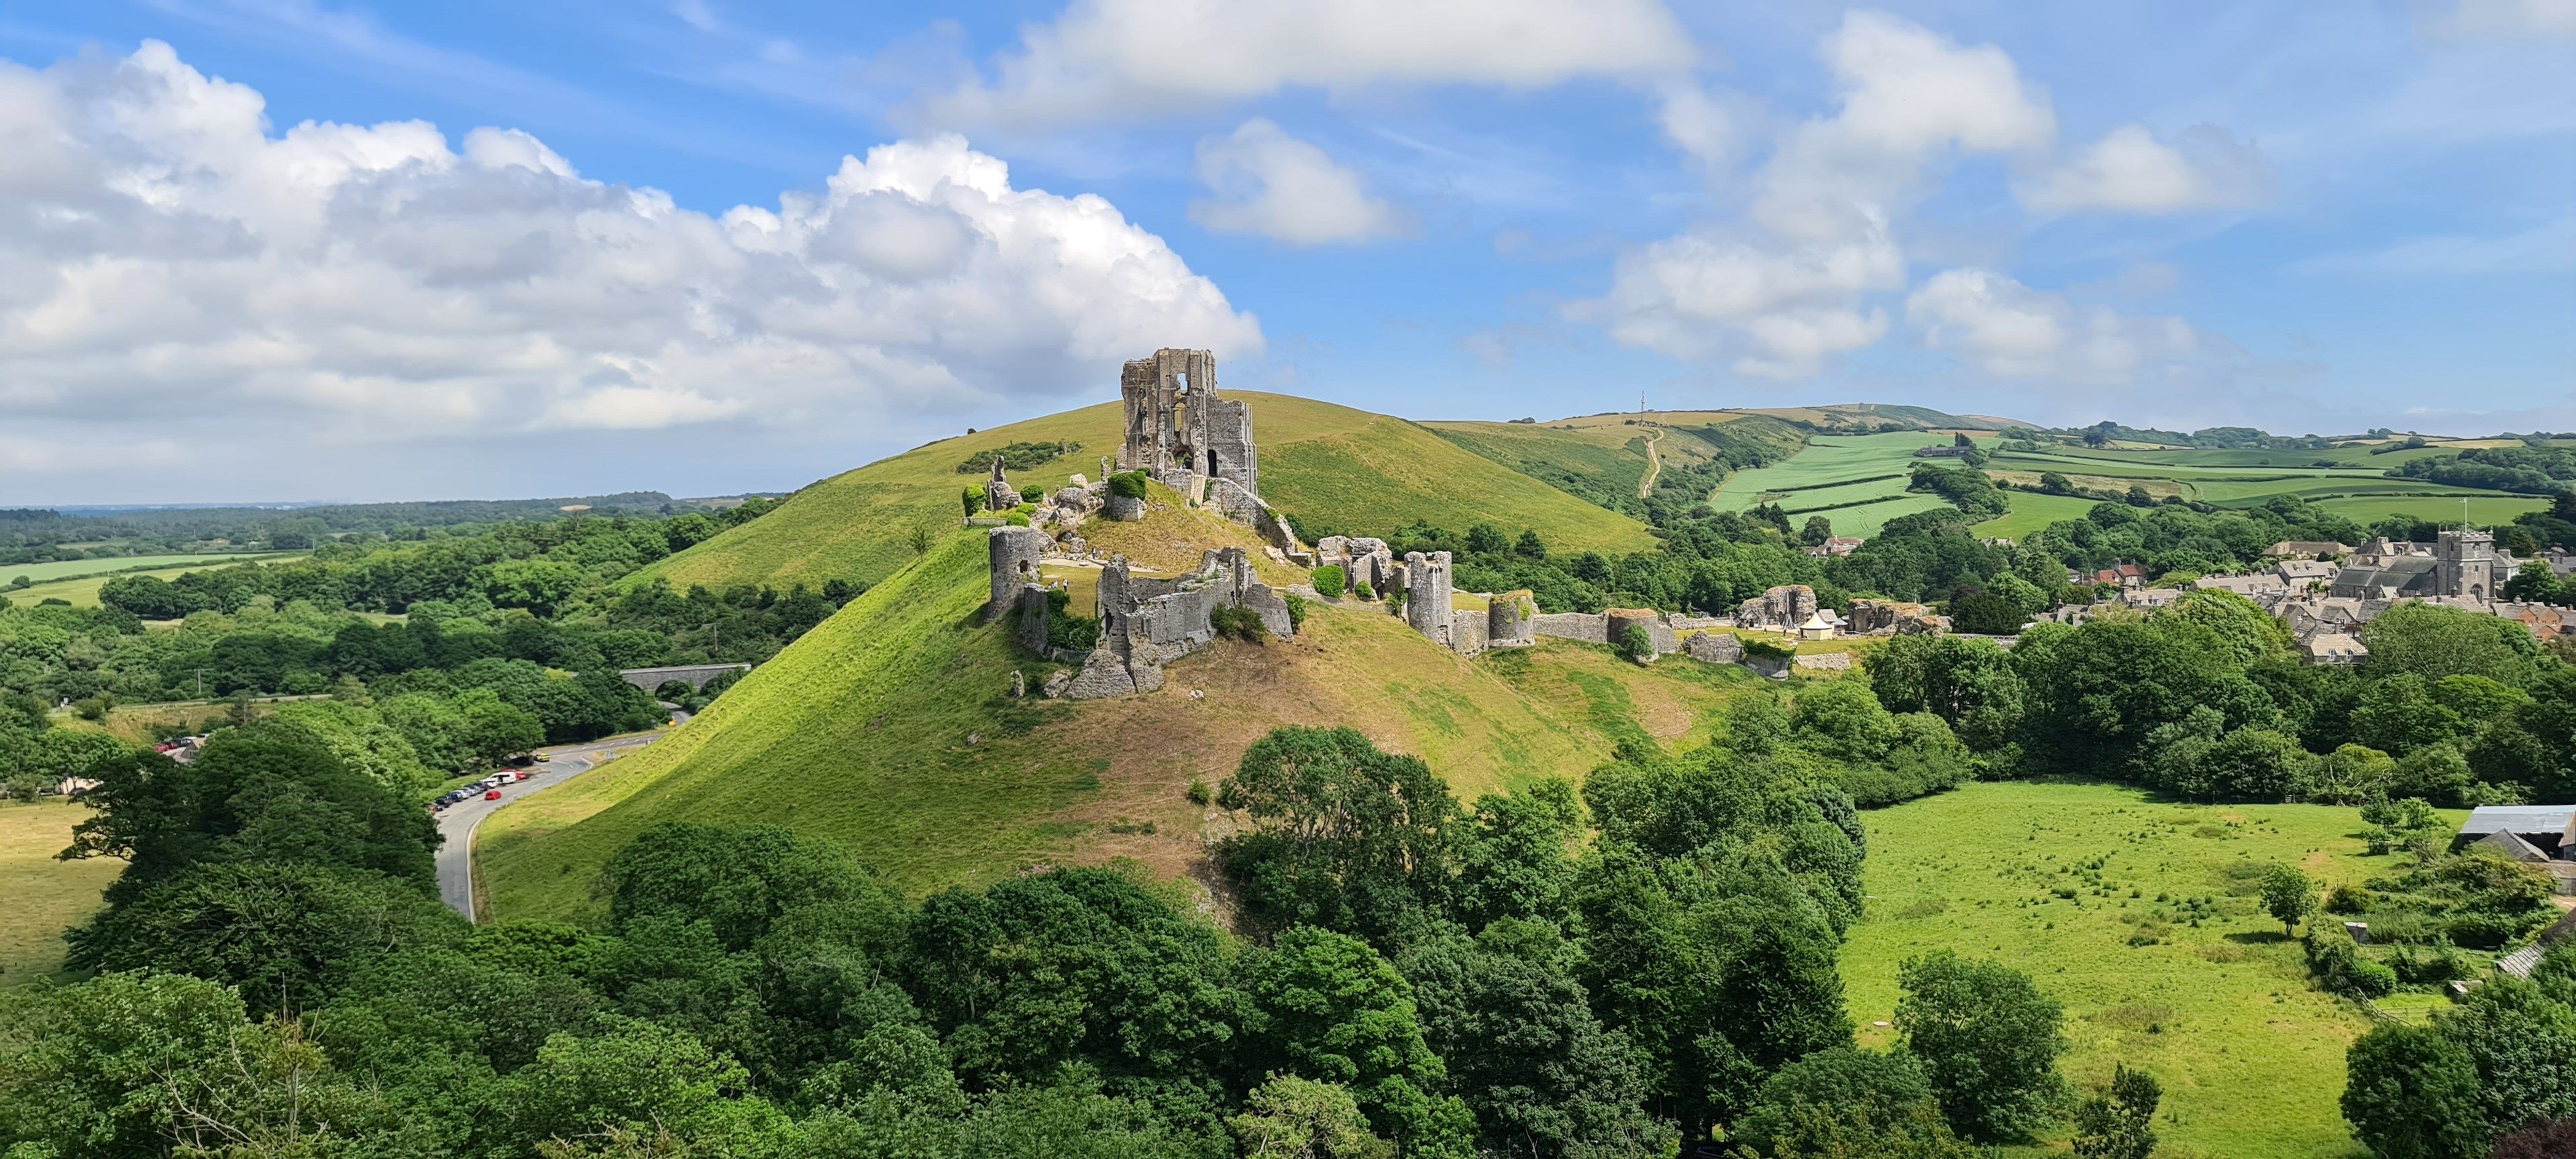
(456, 826)
(1654, 465)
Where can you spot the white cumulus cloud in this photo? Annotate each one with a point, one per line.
(2513, 18)
(1105, 59)
(1784, 292)
(167, 257)
(1267, 182)
(2010, 330)
(2131, 170)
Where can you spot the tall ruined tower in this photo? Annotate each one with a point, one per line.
(1177, 427)
(1426, 593)
(2466, 564)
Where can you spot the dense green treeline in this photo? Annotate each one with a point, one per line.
(1619, 972)
(39, 535)
(2204, 699)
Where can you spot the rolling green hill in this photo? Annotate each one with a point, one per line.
(1333, 465)
(887, 728)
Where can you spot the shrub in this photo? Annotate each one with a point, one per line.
(1016, 456)
(1241, 623)
(1329, 581)
(1128, 484)
(2341, 968)
(1636, 644)
(1363, 591)
(1296, 612)
(1767, 650)
(2350, 899)
(1199, 793)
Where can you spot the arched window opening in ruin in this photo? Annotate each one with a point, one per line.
(1211, 462)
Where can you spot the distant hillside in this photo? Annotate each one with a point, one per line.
(1604, 458)
(887, 728)
(1330, 466)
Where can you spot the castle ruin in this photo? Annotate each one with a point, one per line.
(1181, 434)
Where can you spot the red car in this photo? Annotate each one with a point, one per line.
(491, 794)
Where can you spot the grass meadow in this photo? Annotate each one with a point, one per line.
(43, 897)
(2140, 915)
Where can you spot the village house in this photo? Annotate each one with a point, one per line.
(2541, 836)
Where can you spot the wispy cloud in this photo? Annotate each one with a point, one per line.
(2547, 248)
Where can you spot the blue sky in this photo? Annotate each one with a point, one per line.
(505, 256)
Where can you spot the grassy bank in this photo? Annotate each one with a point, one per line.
(2200, 988)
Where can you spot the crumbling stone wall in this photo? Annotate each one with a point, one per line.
(1713, 648)
(1871, 617)
(1468, 632)
(1146, 622)
(1780, 609)
(999, 495)
(1587, 627)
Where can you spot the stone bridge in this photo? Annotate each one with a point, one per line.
(697, 675)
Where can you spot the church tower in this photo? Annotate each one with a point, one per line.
(2467, 564)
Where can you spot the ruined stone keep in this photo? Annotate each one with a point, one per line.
(1178, 430)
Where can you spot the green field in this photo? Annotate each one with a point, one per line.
(1857, 482)
(44, 896)
(2487, 508)
(2251, 1057)
(75, 568)
(1343, 467)
(887, 728)
(2031, 512)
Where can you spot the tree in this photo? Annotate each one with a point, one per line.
(2411, 1093)
(270, 791)
(284, 933)
(1297, 1118)
(1847, 1082)
(1529, 545)
(1327, 1006)
(2434, 642)
(1487, 539)
(2555, 1139)
(1536, 1066)
(1988, 1041)
(972, 500)
(2289, 896)
(2523, 1043)
(84, 1074)
(1344, 836)
(1815, 531)
(2119, 1122)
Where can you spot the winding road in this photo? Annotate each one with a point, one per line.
(456, 826)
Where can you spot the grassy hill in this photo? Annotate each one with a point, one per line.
(1330, 464)
(887, 727)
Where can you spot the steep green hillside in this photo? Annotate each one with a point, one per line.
(887, 728)
(1328, 464)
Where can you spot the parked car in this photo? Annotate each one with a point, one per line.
(492, 794)
(543, 758)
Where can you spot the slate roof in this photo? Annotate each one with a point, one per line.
(2487, 819)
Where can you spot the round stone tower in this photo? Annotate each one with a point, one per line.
(1014, 552)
